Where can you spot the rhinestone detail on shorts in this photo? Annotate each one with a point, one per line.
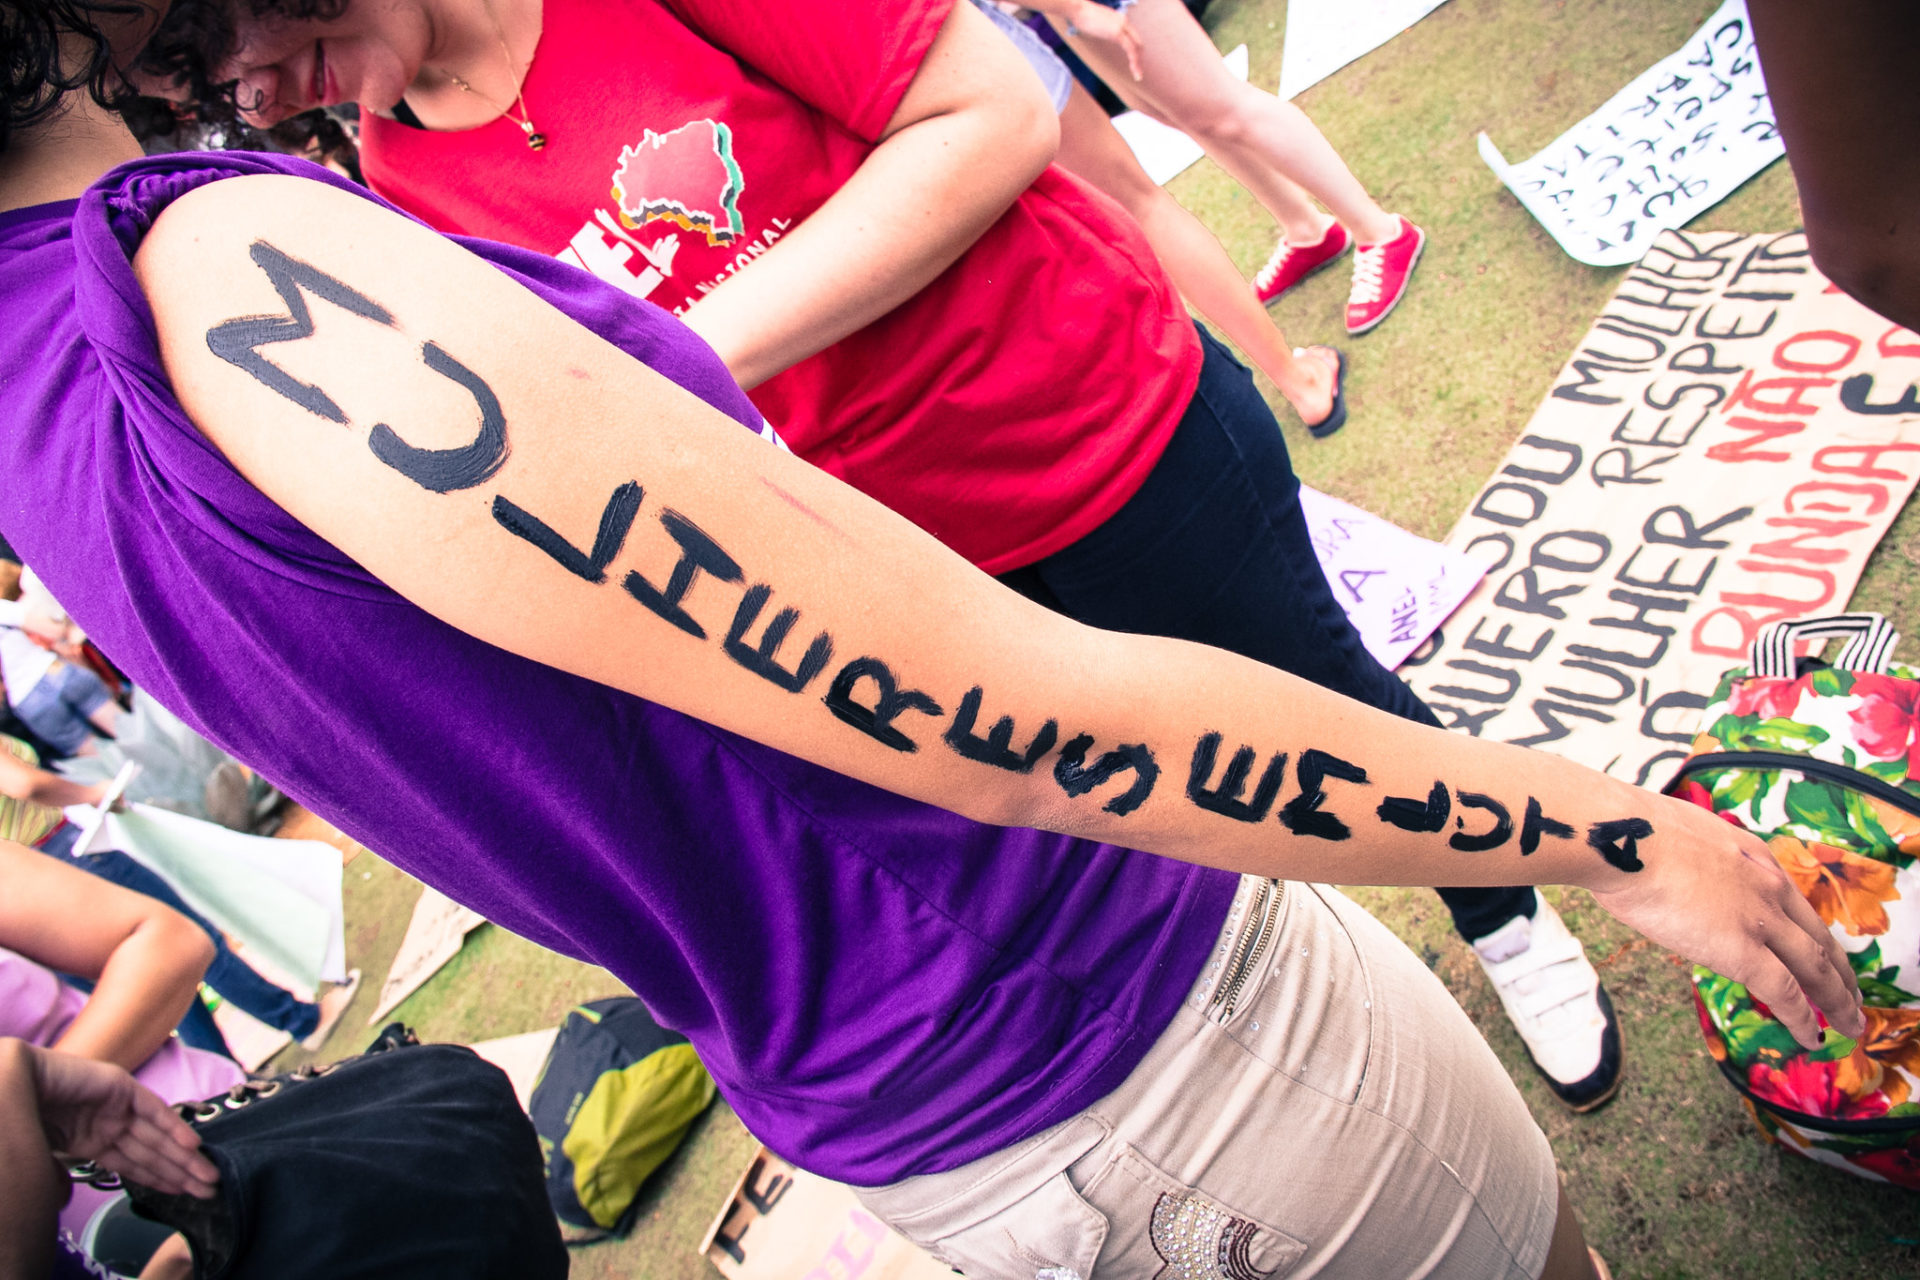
(1198, 1240)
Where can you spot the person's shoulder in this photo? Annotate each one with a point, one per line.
(235, 204)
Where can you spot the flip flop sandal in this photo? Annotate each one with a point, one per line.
(1337, 416)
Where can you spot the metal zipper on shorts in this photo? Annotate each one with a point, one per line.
(1263, 915)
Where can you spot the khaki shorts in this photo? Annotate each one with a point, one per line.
(1320, 1106)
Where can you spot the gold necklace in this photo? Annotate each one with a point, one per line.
(535, 139)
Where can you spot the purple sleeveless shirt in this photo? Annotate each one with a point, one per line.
(880, 988)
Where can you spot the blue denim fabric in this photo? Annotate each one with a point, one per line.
(57, 706)
(1214, 548)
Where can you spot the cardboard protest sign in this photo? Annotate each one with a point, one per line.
(1677, 140)
(1395, 586)
(783, 1223)
(1723, 451)
(1325, 35)
(434, 935)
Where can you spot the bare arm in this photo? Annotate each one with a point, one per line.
(608, 524)
(145, 959)
(972, 132)
(22, 781)
(56, 1105)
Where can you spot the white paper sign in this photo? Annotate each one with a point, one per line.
(1678, 140)
(434, 936)
(1165, 153)
(1722, 451)
(1395, 586)
(1325, 35)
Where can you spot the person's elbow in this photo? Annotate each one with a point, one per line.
(1030, 128)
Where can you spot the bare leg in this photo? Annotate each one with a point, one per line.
(1267, 145)
(1567, 1258)
(1092, 148)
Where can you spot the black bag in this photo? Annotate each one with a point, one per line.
(409, 1161)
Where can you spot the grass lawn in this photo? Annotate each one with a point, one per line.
(1671, 1179)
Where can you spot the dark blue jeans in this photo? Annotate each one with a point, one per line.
(229, 975)
(1214, 548)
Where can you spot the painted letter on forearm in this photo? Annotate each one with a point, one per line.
(1225, 799)
(1077, 778)
(996, 748)
(615, 520)
(893, 702)
(760, 659)
(698, 554)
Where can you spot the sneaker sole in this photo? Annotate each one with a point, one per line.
(1378, 320)
(1267, 302)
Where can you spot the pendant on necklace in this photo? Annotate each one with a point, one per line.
(535, 139)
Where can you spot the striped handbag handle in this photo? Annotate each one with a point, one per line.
(1869, 648)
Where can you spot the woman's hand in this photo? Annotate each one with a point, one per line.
(96, 1111)
(1714, 893)
(1098, 22)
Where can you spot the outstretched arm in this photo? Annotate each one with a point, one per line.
(557, 499)
(973, 130)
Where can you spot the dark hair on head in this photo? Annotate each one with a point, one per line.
(194, 37)
(198, 36)
(38, 73)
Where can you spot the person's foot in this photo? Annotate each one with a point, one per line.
(1335, 390)
(1380, 275)
(1555, 1000)
(332, 1006)
(1292, 263)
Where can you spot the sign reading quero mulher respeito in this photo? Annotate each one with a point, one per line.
(1724, 450)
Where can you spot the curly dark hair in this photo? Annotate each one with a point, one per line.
(193, 38)
(39, 74)
(198, 36)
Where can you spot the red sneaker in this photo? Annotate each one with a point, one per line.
(1380, 274)
(1292, 263)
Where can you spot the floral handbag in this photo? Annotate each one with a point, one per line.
(1821, 762)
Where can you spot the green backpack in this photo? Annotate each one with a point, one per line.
(614, 1099)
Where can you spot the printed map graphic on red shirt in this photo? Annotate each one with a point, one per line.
(687, 176)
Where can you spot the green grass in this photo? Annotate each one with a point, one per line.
(1672, 1179)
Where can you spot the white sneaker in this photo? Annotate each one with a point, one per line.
(1556, 1003)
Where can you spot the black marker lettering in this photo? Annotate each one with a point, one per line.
(464, 466)
(1303, 815)
(996, 748)
(1418, 815)
(761, 659)
(615, 521)
(1076, 778)
(698, 554)
(1537, 824)
(238, 341)
(1225, 798)
(877, 721)
(1618, 841)
(1493, 838)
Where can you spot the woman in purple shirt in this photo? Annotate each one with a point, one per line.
(494, 570)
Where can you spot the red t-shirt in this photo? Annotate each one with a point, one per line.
(1009, 408)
